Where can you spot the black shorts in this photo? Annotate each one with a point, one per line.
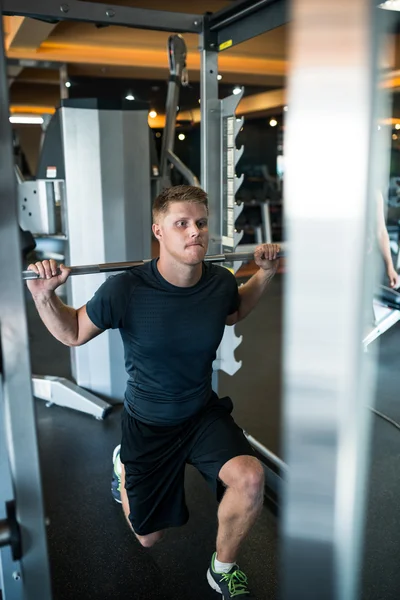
(155, 457)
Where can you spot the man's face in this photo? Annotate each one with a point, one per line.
(183, 232)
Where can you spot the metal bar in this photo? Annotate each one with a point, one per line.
(211, 135)
(328, 380)
(273, 458)
(251, 21)
(124, 266)
(34, 63)
(91, 12)
(17, 405)
(177, 63)
(183, 169)
(237, 13)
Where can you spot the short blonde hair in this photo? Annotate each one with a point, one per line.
(178, 193)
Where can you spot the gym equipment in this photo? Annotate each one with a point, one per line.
(320, 551)
(124, 266)
(386, 308)
(80, 181)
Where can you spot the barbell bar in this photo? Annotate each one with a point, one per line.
(124, 266)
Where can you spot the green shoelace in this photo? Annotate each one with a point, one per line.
(237, 583)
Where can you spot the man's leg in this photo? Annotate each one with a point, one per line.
(240, 505)
(146, 540)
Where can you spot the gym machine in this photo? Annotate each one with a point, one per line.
(320, 549)
(90, 172)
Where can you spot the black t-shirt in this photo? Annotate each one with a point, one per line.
(170, 334)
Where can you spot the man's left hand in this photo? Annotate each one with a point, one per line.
(265, 256)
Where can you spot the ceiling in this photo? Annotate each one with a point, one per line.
(136, 58)
(117, 58)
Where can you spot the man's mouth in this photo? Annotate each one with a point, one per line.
(196, 244)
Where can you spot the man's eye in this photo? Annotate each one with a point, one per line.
(181, 223)
(203, 224)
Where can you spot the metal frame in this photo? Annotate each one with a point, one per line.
(328, 381)
(308, 565)
(105, 14)
(17, 402)
(246, 20)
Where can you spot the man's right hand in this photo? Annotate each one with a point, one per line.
(51, 276)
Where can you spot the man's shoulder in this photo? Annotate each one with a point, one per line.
(132, 277)
(221, 272)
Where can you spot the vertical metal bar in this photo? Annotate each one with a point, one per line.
(328, 381)
(19, 414)
(10, 585)
(211, 167)
(169, 127)
(177, 65)
(63, 72)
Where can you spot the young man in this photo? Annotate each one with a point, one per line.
(171, 313)
(382, 238)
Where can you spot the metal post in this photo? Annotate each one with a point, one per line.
(329, 381)
(63, 80)
(211, 176)
(17, 403)
(177, 65)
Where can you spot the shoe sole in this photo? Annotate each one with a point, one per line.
(115, 454)
(212, 583)
(116, 450)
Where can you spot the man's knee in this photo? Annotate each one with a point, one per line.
(147, 541)
(245, 474)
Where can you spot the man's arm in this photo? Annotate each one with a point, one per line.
(384, 243)
(251, 292)
(70, 326)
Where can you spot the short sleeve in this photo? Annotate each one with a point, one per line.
(108, 306)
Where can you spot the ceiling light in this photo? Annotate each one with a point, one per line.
(68, 84)
(285, 108)
(397, 126)
(129, 97)
(394, 137)
(26, 120)
(236, 90)
(181, 137)
(273, 122)
(390, 5)
(152, 114)
(219, 77)
(158, 134)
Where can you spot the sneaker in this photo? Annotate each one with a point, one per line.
(116, 478)
(231, 585)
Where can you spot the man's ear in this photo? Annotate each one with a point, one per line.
(156, 231)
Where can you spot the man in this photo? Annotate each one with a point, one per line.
(171, 313)
(383, 240)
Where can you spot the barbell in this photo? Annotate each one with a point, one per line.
(124, 266)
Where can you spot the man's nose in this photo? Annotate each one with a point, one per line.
(194, 230)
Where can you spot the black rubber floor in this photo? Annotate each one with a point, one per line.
(93, 555)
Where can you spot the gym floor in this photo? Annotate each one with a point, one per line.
(94, 556)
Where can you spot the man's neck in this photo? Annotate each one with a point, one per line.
(179, 274)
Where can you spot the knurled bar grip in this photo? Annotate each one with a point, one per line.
(123, 266)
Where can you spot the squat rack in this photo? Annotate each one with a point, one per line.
(315, 558)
